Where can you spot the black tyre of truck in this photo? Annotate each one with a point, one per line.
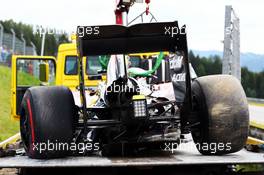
(47, 122)
(222, 114)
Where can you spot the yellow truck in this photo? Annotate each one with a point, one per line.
(28, 71)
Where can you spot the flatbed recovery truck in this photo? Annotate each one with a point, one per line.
(186, 154)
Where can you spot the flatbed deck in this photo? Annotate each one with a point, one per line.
(182, 156)
(186, 154)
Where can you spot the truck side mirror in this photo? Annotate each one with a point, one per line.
(44, 72)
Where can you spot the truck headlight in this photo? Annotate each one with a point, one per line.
(140, 106)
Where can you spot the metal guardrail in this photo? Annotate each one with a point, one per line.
(257, 100)
(10, 140)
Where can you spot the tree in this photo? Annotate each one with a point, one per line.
(51, 44)
(253, 83)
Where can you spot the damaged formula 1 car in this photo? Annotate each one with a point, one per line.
(131, 112)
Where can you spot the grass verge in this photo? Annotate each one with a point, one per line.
(8, 127)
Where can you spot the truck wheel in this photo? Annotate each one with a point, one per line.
(222, 115)
(47, 121)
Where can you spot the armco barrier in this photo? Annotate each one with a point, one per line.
(257, 100)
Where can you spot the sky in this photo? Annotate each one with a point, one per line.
(204, 18)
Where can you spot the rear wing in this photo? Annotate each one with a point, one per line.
(139, 38)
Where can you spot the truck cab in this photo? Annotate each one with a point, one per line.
(67, 68)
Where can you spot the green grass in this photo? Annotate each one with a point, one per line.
(250, 168)
(26, 79)
(8, 127)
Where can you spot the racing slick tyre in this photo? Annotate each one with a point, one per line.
(221, 108)
(47, 121)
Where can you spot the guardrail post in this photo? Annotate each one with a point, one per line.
(43, 44)
(231, 54)
(13, 40)
(1, 35)
(24, 44)
(33, 48)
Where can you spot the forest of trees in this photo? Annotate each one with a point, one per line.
(51, 41)
(252, 82)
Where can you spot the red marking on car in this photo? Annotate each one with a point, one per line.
(31, 121)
